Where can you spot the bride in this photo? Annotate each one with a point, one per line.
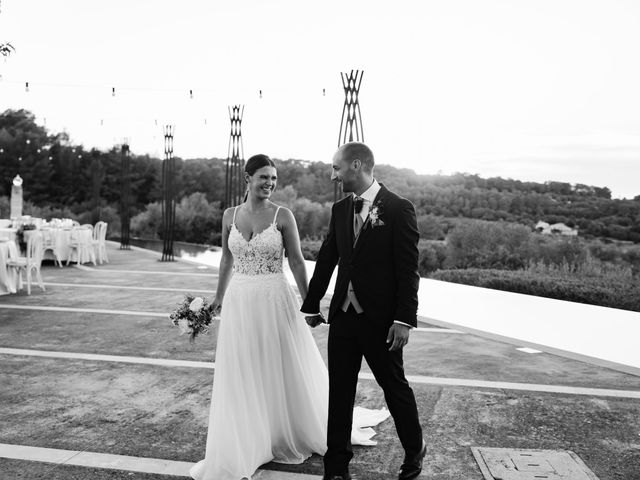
(270, 388)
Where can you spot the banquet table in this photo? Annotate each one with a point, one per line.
(64, 238)
(8, 233)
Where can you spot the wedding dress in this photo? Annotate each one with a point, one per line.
(270, 387)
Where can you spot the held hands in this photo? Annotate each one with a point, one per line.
(398, 336)
(215, 307)
(314, 320)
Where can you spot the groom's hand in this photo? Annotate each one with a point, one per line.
(314, 320)
(398, 336)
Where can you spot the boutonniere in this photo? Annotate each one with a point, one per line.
(374, 215)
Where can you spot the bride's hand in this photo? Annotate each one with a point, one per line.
(215, 307)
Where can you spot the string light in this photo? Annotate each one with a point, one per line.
(27, 86)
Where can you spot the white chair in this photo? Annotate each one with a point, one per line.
(100, 242)
(49, 242)
(82, 245)
(29, 264)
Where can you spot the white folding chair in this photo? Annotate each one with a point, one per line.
(100, 242)
(49, 242)
(82, 245)
(31, 263)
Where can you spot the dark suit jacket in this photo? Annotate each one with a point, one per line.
(383, 264)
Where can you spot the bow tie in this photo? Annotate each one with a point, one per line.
(358, 202)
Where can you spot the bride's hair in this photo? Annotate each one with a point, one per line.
(254, 164)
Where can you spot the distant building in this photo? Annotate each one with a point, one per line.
(555, 229)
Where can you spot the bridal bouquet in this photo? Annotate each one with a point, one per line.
(192, 316)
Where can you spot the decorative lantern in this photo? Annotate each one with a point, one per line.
(16, 198)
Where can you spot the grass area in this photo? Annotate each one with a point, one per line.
(429, 354)
(105, 334)
(105, 407)
(162, 413)
(23, 470)
(602, 432)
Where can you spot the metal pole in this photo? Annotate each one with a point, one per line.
(351, 121)
(125, 213)
(169, 204)
(235, 159)
(96, 176)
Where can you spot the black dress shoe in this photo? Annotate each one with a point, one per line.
(339, 477)
(412, 467)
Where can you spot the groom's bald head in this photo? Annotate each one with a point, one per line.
(358, 151)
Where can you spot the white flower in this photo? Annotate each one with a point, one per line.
(183, 325)
(196, 304)
(373, 214)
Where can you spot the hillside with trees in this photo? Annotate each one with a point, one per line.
(58, 175)
(474, 230)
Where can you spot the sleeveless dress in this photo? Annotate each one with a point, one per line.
(270, 387)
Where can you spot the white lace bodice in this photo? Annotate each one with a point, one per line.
(262, 255)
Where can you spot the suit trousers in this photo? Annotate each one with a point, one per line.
(353, 336)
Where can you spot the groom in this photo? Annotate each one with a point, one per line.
(373, 238)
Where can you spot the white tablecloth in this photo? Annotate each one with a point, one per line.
(7, 279)
(8, 233)
(64, 237)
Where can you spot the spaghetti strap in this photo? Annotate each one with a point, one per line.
(235, 209)
(275, 217)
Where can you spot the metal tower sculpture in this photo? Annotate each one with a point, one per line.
(351, 122)
(97, 175)
(234, 179)
(125, 207)
(169, 202)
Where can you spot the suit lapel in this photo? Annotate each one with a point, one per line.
(366, 227)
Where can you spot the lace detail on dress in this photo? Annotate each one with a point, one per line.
(262, 255)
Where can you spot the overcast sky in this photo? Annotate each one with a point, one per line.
(534, 90)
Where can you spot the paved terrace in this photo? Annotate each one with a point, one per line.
(95, 383)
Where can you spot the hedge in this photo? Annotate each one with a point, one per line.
(604, 292)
